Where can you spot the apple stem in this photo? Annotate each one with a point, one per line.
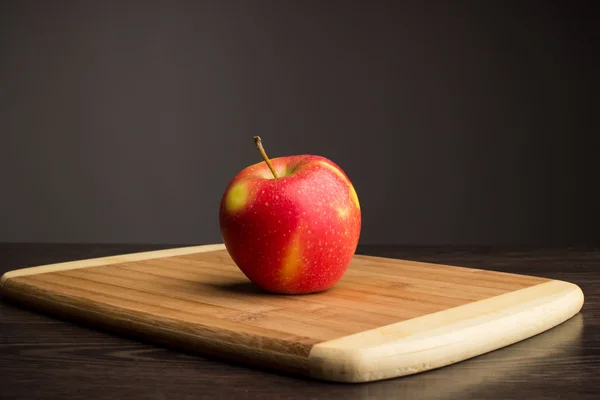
(258, 143)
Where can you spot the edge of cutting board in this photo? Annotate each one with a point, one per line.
(446, 337)
(118, 259)
(412, 346)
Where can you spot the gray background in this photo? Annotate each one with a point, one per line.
(458, 122)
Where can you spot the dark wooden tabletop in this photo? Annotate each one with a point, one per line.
(42, 357)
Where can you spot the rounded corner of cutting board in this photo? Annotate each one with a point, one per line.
(3, 279)
(418, 345)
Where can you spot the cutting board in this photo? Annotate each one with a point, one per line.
(386, 318)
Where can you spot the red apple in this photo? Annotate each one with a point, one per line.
(291, 224)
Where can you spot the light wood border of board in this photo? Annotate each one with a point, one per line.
(117, 259)
(412, 346)
(446, 337)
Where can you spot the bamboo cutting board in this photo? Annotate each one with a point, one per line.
(386, 318)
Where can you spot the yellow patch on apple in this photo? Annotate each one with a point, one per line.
(342, 212)
(354, 195)
(237, 197)
(339, 173)
(290, 266)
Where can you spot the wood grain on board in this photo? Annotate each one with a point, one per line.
(385, 318)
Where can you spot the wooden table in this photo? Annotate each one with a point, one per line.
(43, 357)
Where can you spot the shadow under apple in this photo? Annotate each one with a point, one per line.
(247, 288)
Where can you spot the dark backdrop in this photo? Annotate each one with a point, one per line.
(458, 122)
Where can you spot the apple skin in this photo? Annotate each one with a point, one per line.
(295, 234)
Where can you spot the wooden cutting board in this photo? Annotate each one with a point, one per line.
(386, 318)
